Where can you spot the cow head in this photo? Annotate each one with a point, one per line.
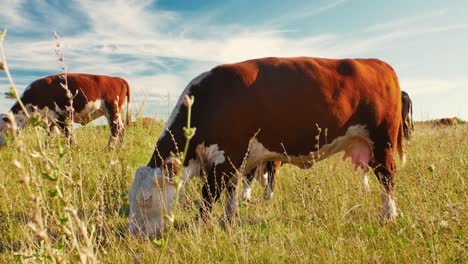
(151, 197)
(8, 126)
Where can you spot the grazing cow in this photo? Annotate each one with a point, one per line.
(145, 122)
(94, 96)
(265, 174)
(407, 114)
(325, 106)
(447, 122)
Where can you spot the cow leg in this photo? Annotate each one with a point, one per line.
(270, 186)
(116, 125)
(231, 203)
(211, 191)
(365, 182)
(247, 186)
(384, 169)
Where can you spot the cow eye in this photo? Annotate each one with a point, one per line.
(6, 119)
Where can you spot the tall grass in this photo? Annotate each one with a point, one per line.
(317, 215)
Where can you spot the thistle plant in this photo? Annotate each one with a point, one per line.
(47, 169)
(189, 132)
(70, 110)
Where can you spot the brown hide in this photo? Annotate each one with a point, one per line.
(49, 92)
(289, 102)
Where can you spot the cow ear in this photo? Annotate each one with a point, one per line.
(172, 166)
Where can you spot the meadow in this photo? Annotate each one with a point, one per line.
(60, 204)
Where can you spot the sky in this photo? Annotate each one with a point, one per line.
(160, 46)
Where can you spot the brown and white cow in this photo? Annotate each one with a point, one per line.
(94, 96)
(325, 106)
(407, 114)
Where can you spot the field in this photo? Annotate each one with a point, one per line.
(320, 215)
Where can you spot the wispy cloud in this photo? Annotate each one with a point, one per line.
(302, 13)
(404, 22)
(138, 41)
(11, 12)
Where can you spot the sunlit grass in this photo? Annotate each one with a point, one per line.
(316, 215)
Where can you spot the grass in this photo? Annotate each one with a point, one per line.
(317, 215)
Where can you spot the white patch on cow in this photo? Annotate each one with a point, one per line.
(179, 103)
(246, 191)
(263, 179)
(365, 183)
(58, 110)
(211, 154)
(261, 175)
(91, 111)
(389, 212)
(258, 154)
(151, 197)
(356, 136)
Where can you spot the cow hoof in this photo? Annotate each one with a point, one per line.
(267, 196)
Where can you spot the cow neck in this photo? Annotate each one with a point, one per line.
(166, 146)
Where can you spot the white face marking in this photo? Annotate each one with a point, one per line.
(151, 197)
(7, 127)
(7, 123)
(179, 103)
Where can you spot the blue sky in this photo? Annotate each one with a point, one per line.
(159, 46)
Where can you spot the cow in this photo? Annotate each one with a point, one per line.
(93, 96)
(266, 174)
(145, 122)
(407, 114)
(326, 106)
(448, 121)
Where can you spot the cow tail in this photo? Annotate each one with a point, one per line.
(401, 144)
(411, 118)
(127, 115)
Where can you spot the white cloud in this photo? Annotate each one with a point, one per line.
(430, 86)
(120, 18)
(11, 13)
(405, 22)
(303, 13)
(135, 29)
